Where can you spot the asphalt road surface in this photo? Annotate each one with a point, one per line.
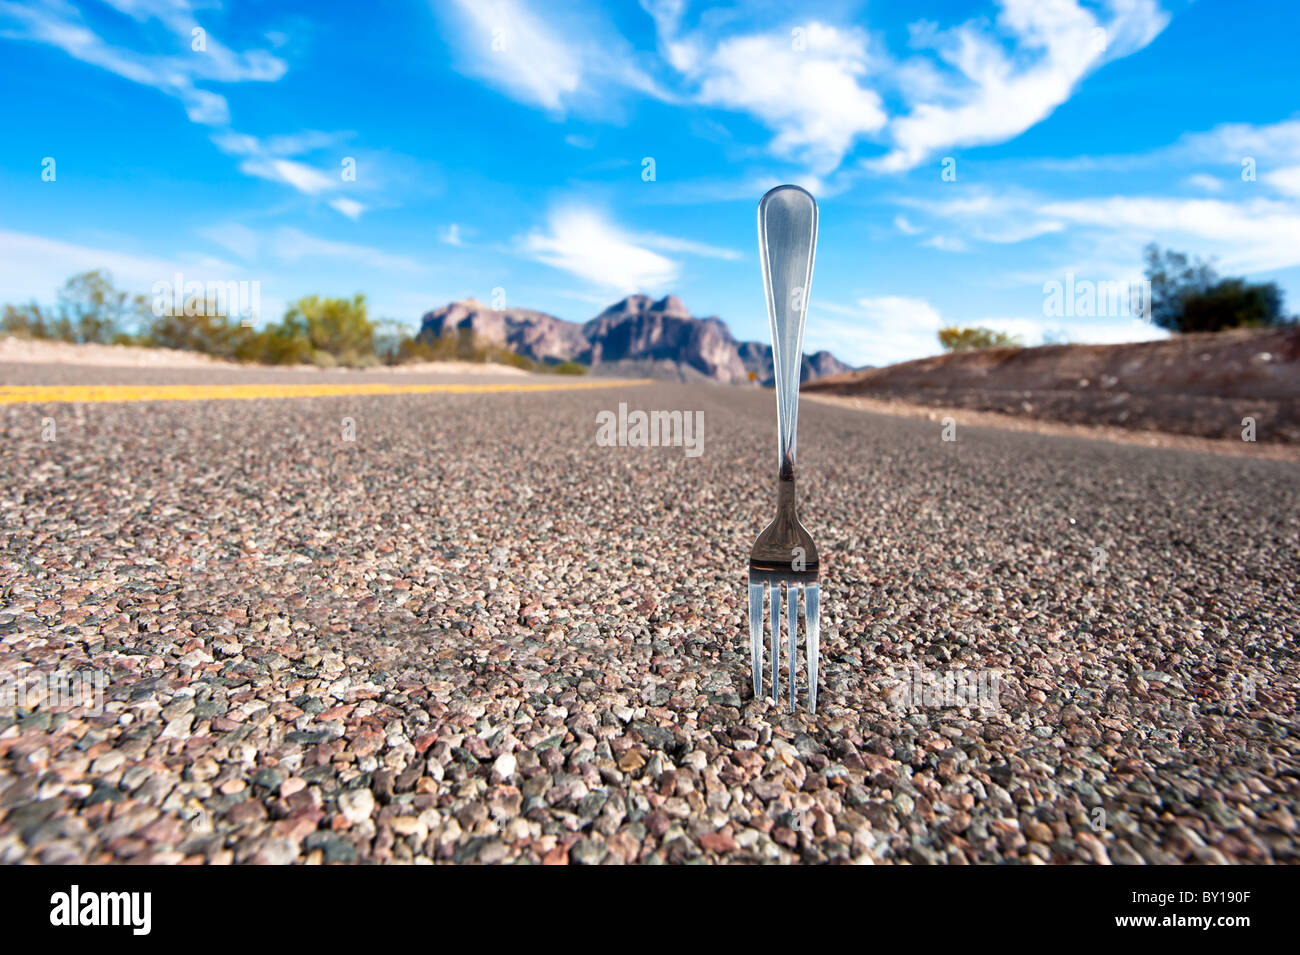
(236, 630)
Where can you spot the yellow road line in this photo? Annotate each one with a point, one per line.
(40, 394)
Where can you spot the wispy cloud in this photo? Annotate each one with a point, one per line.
(817, 85)
(288, 244)
(988, 94)
(904, 225)
(667, 243)
(585, 244)
(1231, 145)
(1253, 234)
(886, 329)
(59, 24)
(291, 245)
(1231, 142)
(1204, 182)
(282, 159)
(945, 243)
(33, 266)
(1285, 180)
(348, 207)
(1250, 236)
(877, 330)
(234, 237)
(567, 59)
(302, 177)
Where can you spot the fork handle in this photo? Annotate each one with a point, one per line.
(787, 245)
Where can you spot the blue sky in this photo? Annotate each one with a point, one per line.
(964, 155)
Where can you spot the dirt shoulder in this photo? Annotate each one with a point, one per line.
(1196, 386)
(29, 351)
(991, 419)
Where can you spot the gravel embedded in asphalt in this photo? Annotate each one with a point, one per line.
(474, 635)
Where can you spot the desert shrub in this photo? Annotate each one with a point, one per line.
(201, 328)
(569, 368)
(504, 356)
(334, 326)
(28, 321)
(953, 338)
(461, 344)
(271, 348)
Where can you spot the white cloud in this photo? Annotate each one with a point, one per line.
(234, 237)
(812, 97)
(270, 159)
(558, 61)
(451, 235)
(815, 85)
(33, 267)
(1253, 235)
(898, 309)
(904, 226)
(875, 331)
(888, 329)
(515, 50)
(1229, 144)
(1285, 180)
(667, 243)
(1020, 231)
(991, 95)
(805, 86)
(1232, 142)
(1204, 182)
(1250, 236)
(292, 245)
(1082, 331)
(348, 207)
(583, 243)
(59, 24)
(945, 243)
(304, 178)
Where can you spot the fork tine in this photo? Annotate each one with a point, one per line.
(792, 633)
(776, 642)
(756, 636)
(811, 598)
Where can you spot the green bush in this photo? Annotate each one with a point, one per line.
(208, 332)
(461, 344)
(337, 327)
(953, 338)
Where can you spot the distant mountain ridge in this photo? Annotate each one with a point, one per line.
(637, 335)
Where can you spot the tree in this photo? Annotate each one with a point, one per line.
(953, 338)
(338, 327)
(1189, 296)
(92, 310)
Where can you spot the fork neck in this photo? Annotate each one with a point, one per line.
(785, 488)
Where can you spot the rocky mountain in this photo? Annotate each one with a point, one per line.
(757, 358)
(536, 335)
(636, 336)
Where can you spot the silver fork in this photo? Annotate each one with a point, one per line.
(784, 553)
